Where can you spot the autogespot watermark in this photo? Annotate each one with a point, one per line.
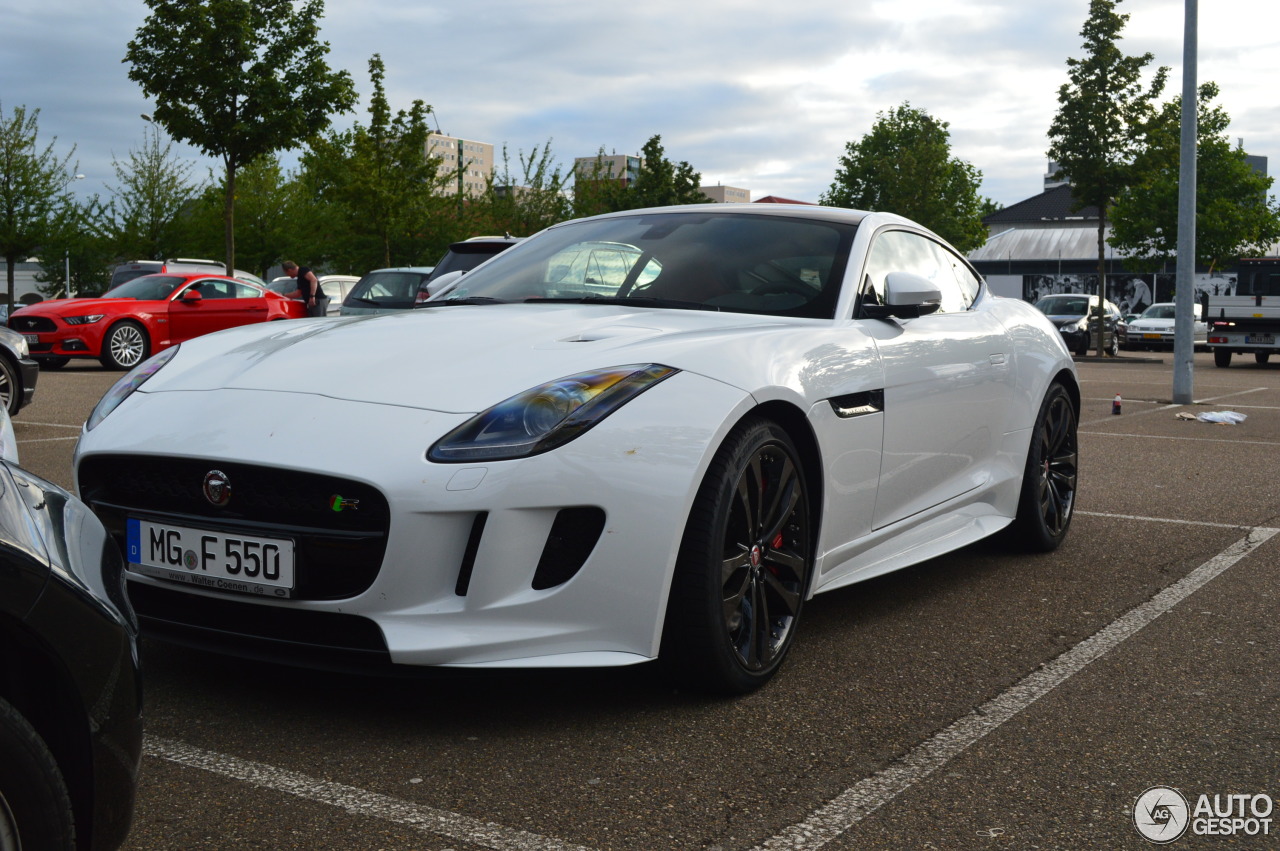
(1162, 814)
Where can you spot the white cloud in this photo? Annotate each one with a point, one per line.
(762, 95)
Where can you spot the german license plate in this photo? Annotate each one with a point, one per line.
(245, 564)
(31, 338)
(1267, 339)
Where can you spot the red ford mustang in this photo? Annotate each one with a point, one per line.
(143, 316)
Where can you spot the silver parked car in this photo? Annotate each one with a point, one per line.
(385, 290)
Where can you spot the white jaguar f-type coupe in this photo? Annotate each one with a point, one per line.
(648, 434)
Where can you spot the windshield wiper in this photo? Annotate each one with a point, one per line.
(475, 299)
(626, 301)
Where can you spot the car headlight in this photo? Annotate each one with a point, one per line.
(83, 320)
(124, 388)
(547, 416)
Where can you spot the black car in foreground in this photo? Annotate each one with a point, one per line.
(70, 691)
(18, 373)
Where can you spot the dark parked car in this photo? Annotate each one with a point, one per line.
(18, 372)
(70, 692)
(463, 257)
(1076, 317)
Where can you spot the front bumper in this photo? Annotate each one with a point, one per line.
(559, 559)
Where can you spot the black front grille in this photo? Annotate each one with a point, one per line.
(327, 640)
(32, 324)
(338, 552)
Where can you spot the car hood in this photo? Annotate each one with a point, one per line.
(460, 359)
(67, 306)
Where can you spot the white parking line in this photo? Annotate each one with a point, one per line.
(867, 796)
(1172, 406)
(827, 822)
(1180, 437)
(355, 801)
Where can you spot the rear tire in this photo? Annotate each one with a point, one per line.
(1047, 502)
(744, 565)
(1222, 358)
(1261, 357)
(35, 809)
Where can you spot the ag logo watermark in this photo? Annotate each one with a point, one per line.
(1162, 814)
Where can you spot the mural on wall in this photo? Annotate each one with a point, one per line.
(1130, 292)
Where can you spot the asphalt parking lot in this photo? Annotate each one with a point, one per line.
(985, 699)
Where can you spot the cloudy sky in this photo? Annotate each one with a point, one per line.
(754, 94)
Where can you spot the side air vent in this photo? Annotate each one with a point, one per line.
(573, 536)
(469, 554)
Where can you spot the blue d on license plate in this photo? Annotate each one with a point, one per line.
(220, 561)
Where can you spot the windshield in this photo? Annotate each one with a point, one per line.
(722, 261)
(1063, 306)
(386, 289)
(1159, 311)
(147, 288)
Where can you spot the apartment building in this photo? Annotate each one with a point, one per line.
(470, 164)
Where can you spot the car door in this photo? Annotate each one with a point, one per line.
(947, 381)
(223, 303)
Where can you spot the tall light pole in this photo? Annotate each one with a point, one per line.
(67, 281)
(1184, 296)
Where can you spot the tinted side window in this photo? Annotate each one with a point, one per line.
(903, 251)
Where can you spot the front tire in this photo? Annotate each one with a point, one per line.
(744, 565)
(10, 388)
(1047, 501)
(125, 346)
(35, 809)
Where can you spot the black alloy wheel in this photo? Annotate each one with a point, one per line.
(744, 565)
(1047, 501)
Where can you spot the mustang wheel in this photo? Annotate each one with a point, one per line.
(1049, 482)
(125, 346)
(744, 565)
(35, 810)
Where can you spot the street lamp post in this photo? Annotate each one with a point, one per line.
(67, 281)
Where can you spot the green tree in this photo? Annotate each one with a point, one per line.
(527, 201)
(904, 166)
(662, 182)
(377, 187)
(658, 183)
(238, 79)
(35, 203)
(265, 230)
(1234, 215)
(1102, 112)
(78, 249)
(143, 219)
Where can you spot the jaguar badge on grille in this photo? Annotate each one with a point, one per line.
(217, 488)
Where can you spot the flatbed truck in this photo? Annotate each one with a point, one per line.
(1248, 320)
